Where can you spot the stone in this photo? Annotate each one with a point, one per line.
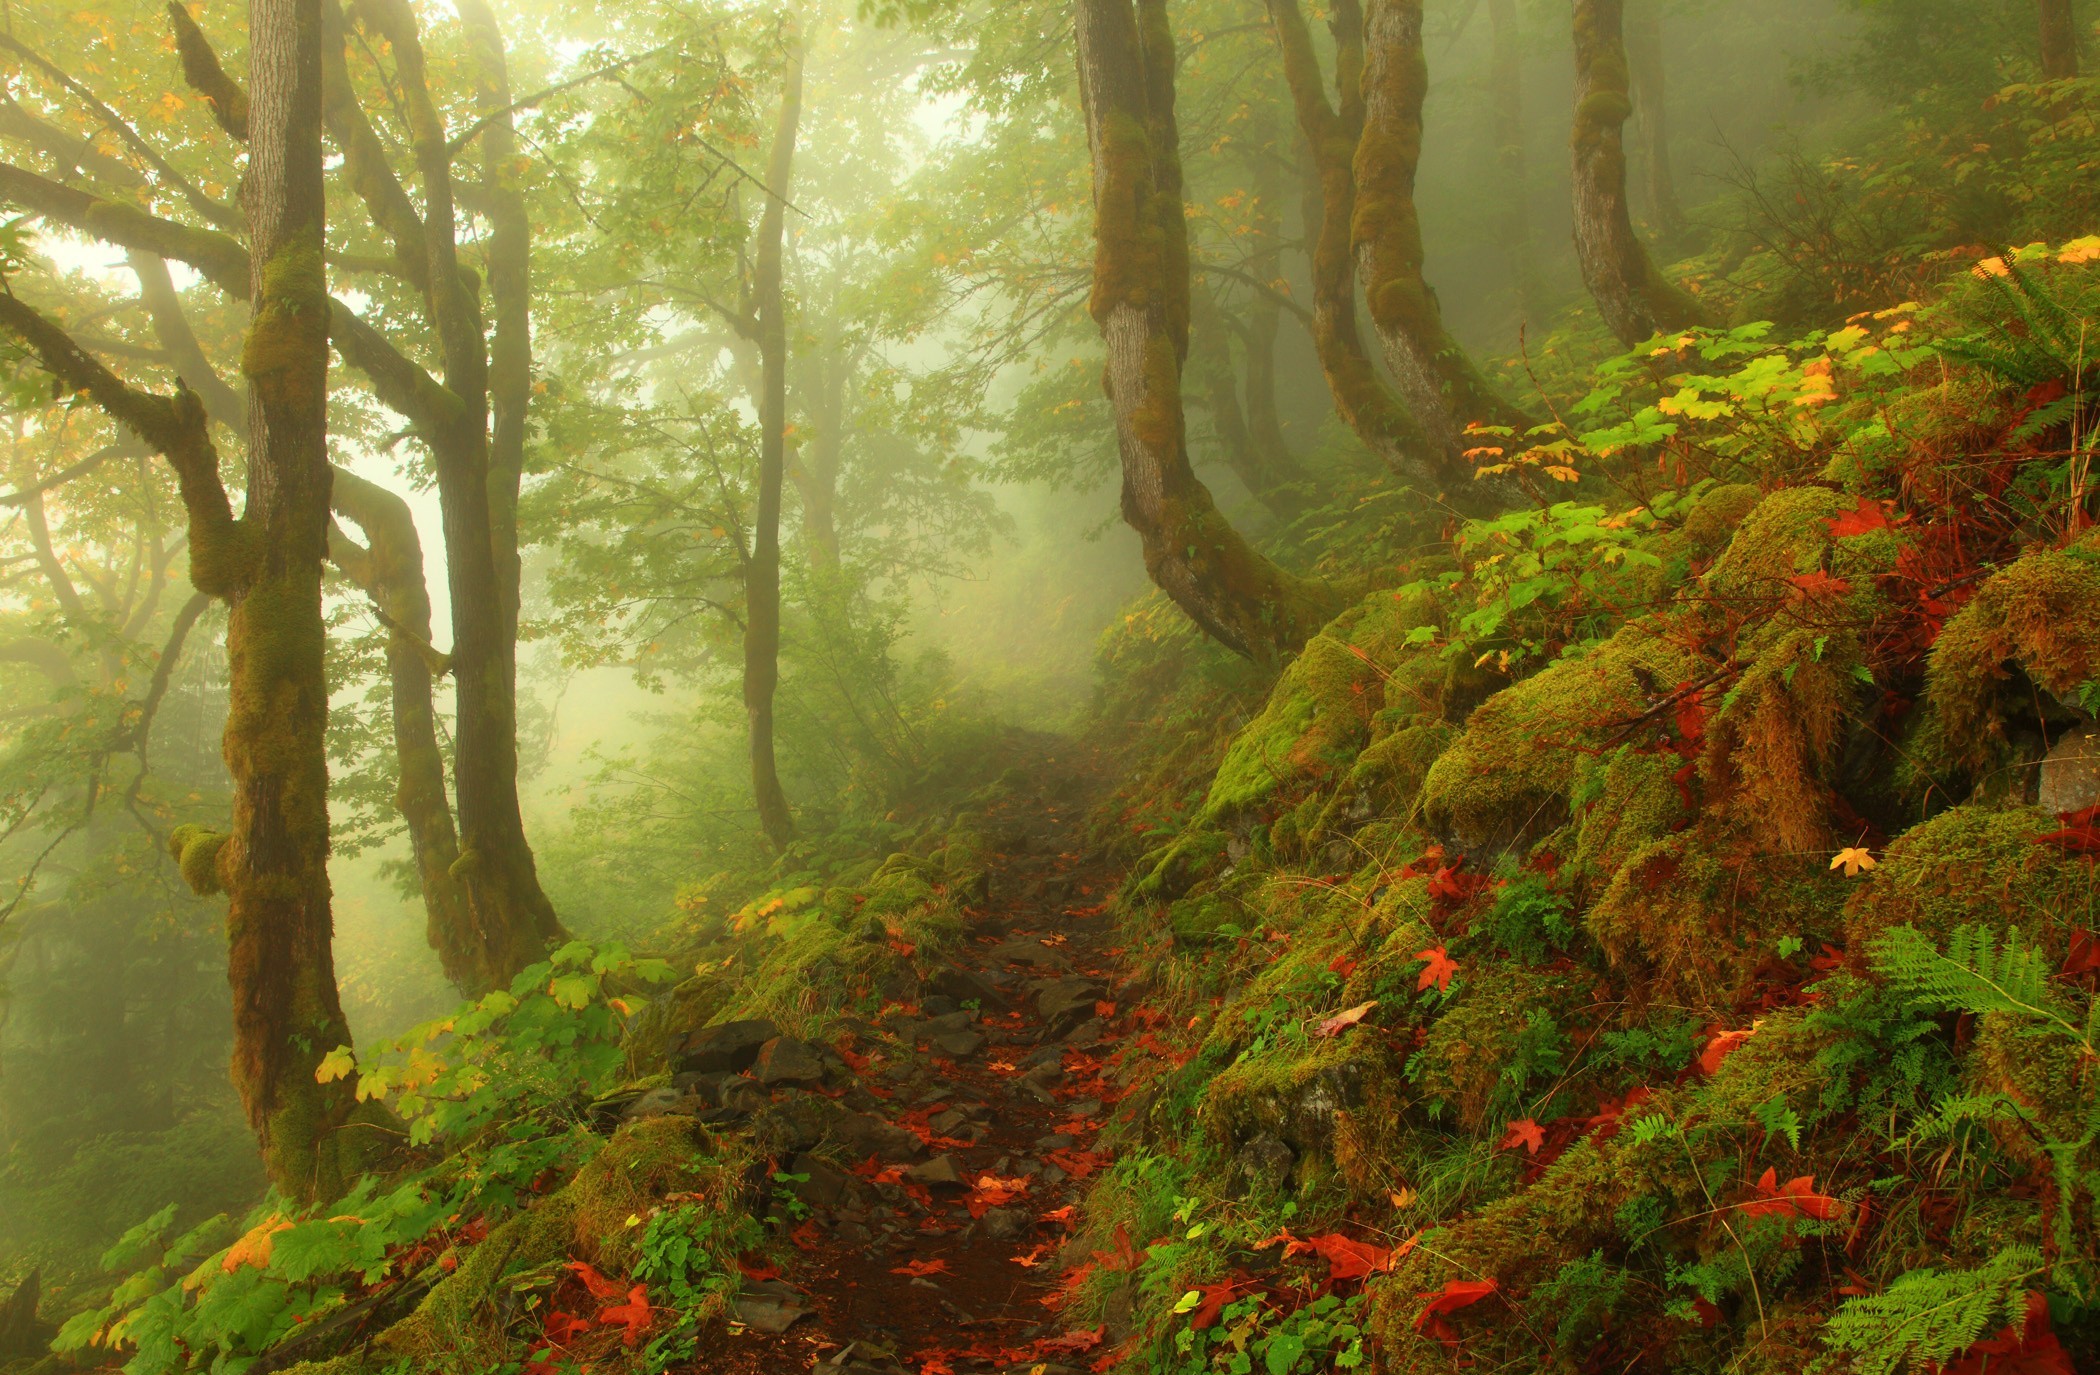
(1005, 1224)
(824, 1185)
(740, 1097)
(964, 986)
(663, 1102)
(938, 1005)
(786, 1061)
(798, 1121)
(1055, 1141)
(731, 1046)
(770, 1306)
(950, 1122)
(959, 1020)
(941, 1172)
(1090, 1032)
(1266, 1160)
(958, 1045)
(1065, 1003)
(863, 1135)
(2071, 773)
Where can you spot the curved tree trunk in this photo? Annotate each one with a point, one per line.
(274, 866)
(1210, 359)
(2059, 39)
(1140, 300)
(1506, 117)
(762, 573)
(1443, 388)
(1635, 299)
(1645, 68)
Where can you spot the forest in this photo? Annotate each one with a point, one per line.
(927, 687)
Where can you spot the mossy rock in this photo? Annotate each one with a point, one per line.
(1171, 871)
(1311, 728)
(1784, 535)
(1295, 1089)
(1771, 750)
(1628, 801)
(1976, 865)
(1712, 522)
(1508, 778)
(1463, 1058)
(2041, 616)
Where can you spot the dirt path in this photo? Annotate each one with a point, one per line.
(940, 1256)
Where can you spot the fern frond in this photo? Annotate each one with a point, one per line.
(1979, 972)
(1957, 1110)
(1928, 1316)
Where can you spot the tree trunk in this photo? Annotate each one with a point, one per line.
(1140, 300)
(2059, 39)
(274, 866)
(1644, 59)
(1210, 359)
(1443, 388)
(1288, 492)
(814, 465)
(1331, 131)
(1635, 299)
(762, 573)
(1506, 95)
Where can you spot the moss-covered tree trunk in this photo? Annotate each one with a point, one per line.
(1506, 125)
(2059, 39)
(1651, 109)
(1634, 298)
(1442, 387)
(1140, 300)
(762, 571)
(274, 866)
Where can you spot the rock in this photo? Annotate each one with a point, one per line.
(1090, 1032)
(900, 985)
(1046, 1055)
(706, 1087)
(798, 1121)
(950, 1122)
(663, 1102)
(958, 1045)
(1005, 1224)
(785, 1061)
(1065, 1003)
(964, 987)
(1266, 1160)
(740, 1097)
(825, 1185)
(941, 1172)
(21, 1333)
(960, 1020)
(770, 1306)
(861, 1358)
(2071, 773)
(864, 1135)
(938, 1005)
(1055, 1141)
(1033, 952)
(732, 1046)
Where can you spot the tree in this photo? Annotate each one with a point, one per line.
(762, 572)
(1140, 302)
(2059, 33)
(1646, 73)
(266, 565)
(1634, 297)
(1506, 120)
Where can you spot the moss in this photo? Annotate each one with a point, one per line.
(1785, 534)
(2040, 615)
(1472, 1059)
(1712, 522)
(1671, 908)
(1312, 727)
(1974, 865)
(1509, 777)
(1174, 869)
(1771, 748)
(196, 850)
(1296, 1089)
(1628, 801)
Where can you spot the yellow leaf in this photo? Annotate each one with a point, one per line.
(1852, 859)
(254, 1248)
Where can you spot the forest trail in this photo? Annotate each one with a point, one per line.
(945, 1255)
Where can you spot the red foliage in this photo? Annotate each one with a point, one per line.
(2080, 834)
(1523, 1132)
(1440, 968)
(1868, 515)
(2031, 1349)
(1720, 1048)
(1455, 1294)
(1795, 1198)
(632, 1317)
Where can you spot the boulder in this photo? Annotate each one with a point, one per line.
(941, 1172)
(732, 1047)
(824, 1185)
(1005, 1224)
(771, 1306)
(958, 1045)
(1065, 1003)
(786, 1062)
(2071, 774)
(864, 1135)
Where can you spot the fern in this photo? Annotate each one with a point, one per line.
(1928, 1316)
(1977, 973)
(2037, 327)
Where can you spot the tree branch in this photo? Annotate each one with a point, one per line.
(200, 67)
(221, 258)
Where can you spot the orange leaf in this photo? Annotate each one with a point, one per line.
(1348, 1259)
(919, 1269)
(1795, 1198)
(633, 1315)
(1720, 1048)
(1455, 1294)
(598, 1284)
(1439, 970)
(1866, 516)
(1526, 1133)
(254, 1248)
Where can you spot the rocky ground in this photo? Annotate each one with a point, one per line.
(930, 1160)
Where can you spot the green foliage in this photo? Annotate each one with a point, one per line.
(1930, 1315)
(1980, 971)
(1251, 1336)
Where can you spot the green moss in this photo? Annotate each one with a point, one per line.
(196, 850)
(1974, 865)
(1712, 523)
(1626, 802)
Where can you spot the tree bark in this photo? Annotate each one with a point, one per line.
(1287, 490)
(1506, 118)
(1635, 299)
(274, 866)
(814, 465)
(1140, 300)
(2059, 39)
(1645, 68)
(1443, 388)
(762, 572)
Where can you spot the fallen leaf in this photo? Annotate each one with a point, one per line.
(1721, 1047)
(2030, 1349)
(1526, 1133)
(1817, 586)
(1852, 859)
(633, 1315)
(1455, 1294)
(1868, 515)
(1347, 1258)
(599, 1286)
(1795, 1198)
(1439, 969)
(919, 1269)
(1342, 1021)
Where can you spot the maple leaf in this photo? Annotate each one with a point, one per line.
(1343, 965)
(1526, 1133)
(1085, 1339)
(254, 1247)
(1861, 519)
(562, 1328)
(1076, 1163)
(1348, 1259)
(1439, 971)
(1721, 1047)
(2084, 954)
(1062, 1215)
(919, 1269)
(806, 1237)
(757, 1271)
(2030, 1349)
(934, 1363)
(1852, 859)
(1342, 1021)
(1455, 1294)
(1795, 1198)
(1212, 1301)
(633, 1315)
(599, 1286)
(2080, 834)
(1817, 586)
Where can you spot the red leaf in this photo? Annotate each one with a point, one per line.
(1124, 1257)
(1866, 516)
(1348, 1259)
(1343, 965)
(2032, 1349)
(1076, 1163)
(934, 1363)
(919, 1269)
(1526, 1133)
(599, 1285)
(634, 1315)
(757, 1271)
(1816, 586)
(1439, 971)
(806, 1237)
(1215, 1297)
(1720, 1048)
(1455, 1294)
(1795, 1198)
(1082, 1340)
(2084, 955)
(1342, 1021)
(562, 1328)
